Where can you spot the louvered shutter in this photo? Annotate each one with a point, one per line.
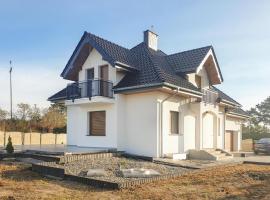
(98, 123)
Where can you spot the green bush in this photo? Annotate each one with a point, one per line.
(9, 147)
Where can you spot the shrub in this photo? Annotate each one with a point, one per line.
(9, 147)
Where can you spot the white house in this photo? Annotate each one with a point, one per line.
(146, 102)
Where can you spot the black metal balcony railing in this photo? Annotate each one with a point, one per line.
(209, 97)
(89, 88)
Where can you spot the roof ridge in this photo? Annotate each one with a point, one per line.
(209, 46)
(91, 34)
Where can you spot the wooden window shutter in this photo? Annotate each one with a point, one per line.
(174, 122)
(97, 123)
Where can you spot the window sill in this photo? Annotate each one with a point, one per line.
(95, 135)
(175, 134)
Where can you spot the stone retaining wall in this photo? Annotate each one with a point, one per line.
(19, 138)
(76, 157)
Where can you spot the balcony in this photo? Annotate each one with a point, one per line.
(89, 89)
(209, 97)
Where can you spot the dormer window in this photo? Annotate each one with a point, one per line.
(198, 81)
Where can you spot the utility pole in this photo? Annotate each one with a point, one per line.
(10, 85)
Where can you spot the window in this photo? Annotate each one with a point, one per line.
(97, 123)
(104, 72)
(198, 81)
(219, 127)
(174, 122)
(90, 74)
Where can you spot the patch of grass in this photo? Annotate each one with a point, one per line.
(222, 182)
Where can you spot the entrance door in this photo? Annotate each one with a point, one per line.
(229, 142)
(208, 131)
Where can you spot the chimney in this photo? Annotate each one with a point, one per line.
(151, 39)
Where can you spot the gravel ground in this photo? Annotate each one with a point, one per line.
(111, 166)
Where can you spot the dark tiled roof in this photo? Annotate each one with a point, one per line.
(152, 68)
(188, 61)
(148, 67)
(239, 111)
(61, 95)
(109, 51)
(114, 51)
(225, 97)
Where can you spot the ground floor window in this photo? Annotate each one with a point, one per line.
(174, 116)
(97, 123)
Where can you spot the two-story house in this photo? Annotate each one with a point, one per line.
(146, 102)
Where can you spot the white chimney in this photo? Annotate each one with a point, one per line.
(151, 39)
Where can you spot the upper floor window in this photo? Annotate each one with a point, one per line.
(90, 74)
(104, 72)
(198, 81)
(174, 117)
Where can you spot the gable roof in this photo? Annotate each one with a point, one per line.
(226, 98)
(153, 68)
(146, 67)
(187, 61)
(110, 52)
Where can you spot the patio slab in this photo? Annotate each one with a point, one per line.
(60, 149)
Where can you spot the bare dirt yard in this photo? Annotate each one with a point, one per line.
(242, 181)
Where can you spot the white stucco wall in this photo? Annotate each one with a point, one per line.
(132, 121)
(234, 124)
(94, 60)
(204, 78)
(141, 124)
(78, 126)
(172, 143)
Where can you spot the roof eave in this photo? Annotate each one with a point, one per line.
(158, 85)
(238, 115)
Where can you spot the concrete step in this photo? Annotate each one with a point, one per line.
(176, 156)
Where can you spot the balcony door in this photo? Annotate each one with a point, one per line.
(104, 77)
(90, 77)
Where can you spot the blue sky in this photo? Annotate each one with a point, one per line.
(39, 36)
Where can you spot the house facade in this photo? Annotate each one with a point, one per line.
(146, 102)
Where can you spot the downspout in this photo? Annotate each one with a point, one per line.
(161, 121)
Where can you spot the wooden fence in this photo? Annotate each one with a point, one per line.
(247, 145)
(19, 138)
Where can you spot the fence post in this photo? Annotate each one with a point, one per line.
(22, 137)
(31, 137)
(40, 140)
(55, 140)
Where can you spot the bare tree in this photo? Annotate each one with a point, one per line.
(3, 117)
(34, 117)
(23, 111)
(54, 117)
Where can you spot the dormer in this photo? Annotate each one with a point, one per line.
(207, 73)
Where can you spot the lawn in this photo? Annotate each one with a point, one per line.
(223, 182)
